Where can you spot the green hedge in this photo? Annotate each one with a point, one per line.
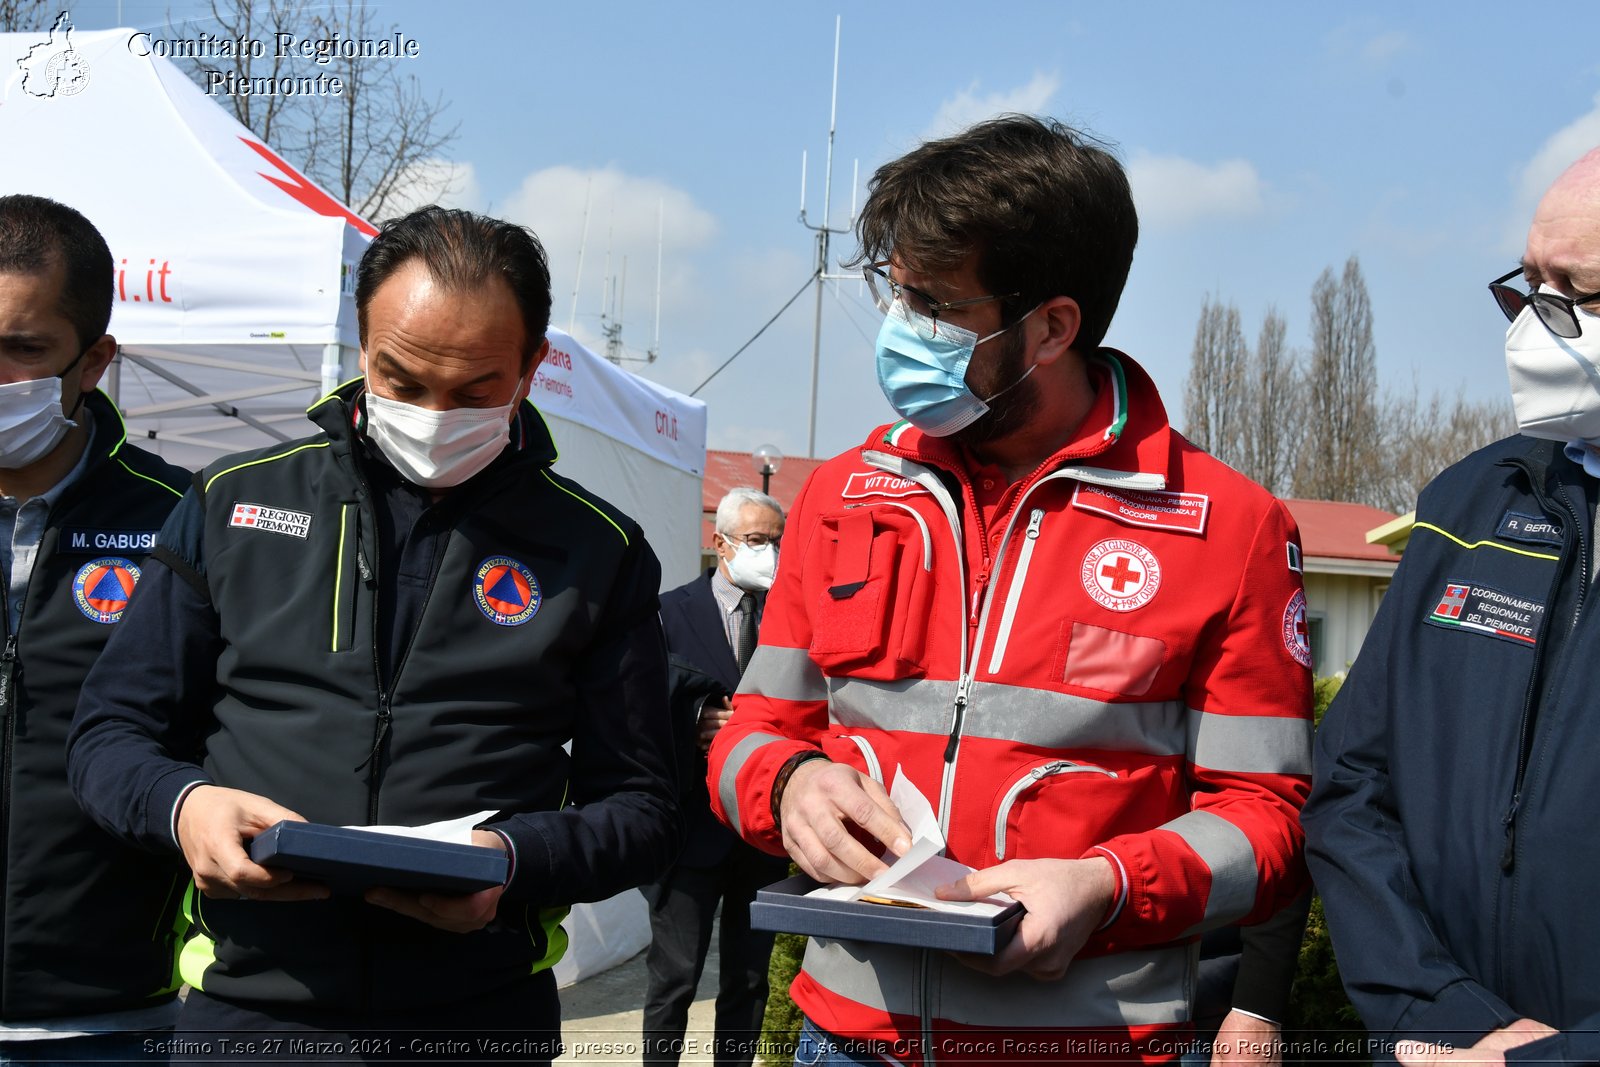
(1318, 1007)
(780, 1027)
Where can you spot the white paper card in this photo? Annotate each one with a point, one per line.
(450, 831)
(915, 875)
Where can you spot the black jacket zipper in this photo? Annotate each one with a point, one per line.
(1571, 521)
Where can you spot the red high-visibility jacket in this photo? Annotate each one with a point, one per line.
(1117, 665)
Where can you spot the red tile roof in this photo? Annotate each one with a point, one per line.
(725, 470)
(1334, 529)
(1327, 527)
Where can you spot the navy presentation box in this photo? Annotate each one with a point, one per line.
(353, 860)
(784, 906)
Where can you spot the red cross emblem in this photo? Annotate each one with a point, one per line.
(1121, 574)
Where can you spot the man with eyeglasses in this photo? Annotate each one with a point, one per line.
(1080, 638)
(1452, 823)
(711, 626)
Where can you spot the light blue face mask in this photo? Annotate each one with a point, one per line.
(922, 370)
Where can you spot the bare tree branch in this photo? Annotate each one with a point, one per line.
(24, 16)
(1216, 393)
(1274, 428)
(1342, 454)
(371, 144)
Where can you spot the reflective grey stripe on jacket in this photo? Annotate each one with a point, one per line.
(1143, 987)
(731, 767)
(1231, 858)
(1247, 743)
(783, 674)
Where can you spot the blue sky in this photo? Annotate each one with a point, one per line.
(1266, 141)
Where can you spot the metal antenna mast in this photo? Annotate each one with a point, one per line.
(823, 233)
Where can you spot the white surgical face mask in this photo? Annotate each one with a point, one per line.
(752, 569)
(438, 449)
(31, 421)
(1555, 381)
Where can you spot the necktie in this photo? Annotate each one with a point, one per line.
(746, 646)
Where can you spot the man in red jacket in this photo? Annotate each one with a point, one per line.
(1080, 637)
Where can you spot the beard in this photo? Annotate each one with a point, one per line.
(1014, 401)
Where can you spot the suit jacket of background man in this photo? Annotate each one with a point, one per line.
(692, 619)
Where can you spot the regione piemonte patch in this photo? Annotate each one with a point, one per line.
(1120, 574)
(272, 520)
(506, 591)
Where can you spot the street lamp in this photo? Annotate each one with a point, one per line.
(768, 459)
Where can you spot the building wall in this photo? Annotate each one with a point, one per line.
(1339, 609)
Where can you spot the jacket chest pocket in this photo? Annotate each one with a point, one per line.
(1059, 807)
(868, 582)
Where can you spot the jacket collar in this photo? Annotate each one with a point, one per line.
(1124, 440)
(110, 432)
(342, 415)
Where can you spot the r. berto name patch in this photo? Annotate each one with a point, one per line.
(506, 591)
(1529, 529)
(877, 483)
(1155, 508)
(272, 520)
(1470, 606)
(101, 588)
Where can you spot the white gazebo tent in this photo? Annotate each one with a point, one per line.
(235, 288)
(234, 299)
(234, 307)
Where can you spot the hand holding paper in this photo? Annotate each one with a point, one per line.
(922, 868)
(821, 805)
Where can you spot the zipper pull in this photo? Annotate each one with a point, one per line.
(1034, 522)
(1508, 857)
(977, 594)
(384, 717)
(8, 674)
(961, 715)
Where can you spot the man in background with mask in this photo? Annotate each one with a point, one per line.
(89, 936)
(399, 620)
(1078, 637)
(711, 627)
(1452, 825)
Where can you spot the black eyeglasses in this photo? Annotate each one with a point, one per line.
(754, 540)
(885, 291)
(1554, 310)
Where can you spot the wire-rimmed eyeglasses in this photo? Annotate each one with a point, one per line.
(885, 291)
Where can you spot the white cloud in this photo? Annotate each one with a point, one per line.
(1385, 46)
(1559, 151)
(1172, 192)
(967, 106)
(622, 212)
(436, 181)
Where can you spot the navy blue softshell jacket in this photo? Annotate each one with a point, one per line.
(533, 628)
(1453, 822)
